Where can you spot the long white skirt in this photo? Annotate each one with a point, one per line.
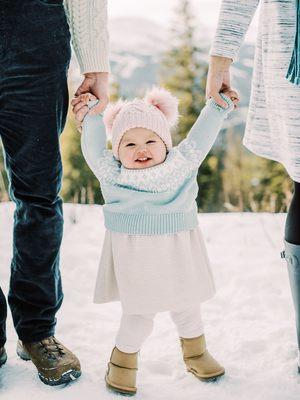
(154, 273)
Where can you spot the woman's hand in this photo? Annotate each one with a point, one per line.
(218, 79)
(233, 95)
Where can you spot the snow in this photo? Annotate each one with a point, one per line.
(249, 324)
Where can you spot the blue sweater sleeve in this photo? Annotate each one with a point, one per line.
(93, 141)
(205, 130)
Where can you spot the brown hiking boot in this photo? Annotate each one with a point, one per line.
(121, 372)
(198, 360)
(3, 356)
(56, 364)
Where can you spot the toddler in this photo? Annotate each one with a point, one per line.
(153, 257)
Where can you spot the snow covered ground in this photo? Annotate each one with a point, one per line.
(249, 324)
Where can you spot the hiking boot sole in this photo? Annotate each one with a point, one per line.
(23, 354)
(67, 377)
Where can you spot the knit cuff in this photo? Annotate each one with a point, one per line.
(215, 105)
(224, 52)
(93, 61)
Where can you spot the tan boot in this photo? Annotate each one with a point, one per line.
(198, 360)
(121, 372)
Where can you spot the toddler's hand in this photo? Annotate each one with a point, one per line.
(233, 95)
(80, 108)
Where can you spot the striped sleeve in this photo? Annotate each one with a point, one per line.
(234, 20)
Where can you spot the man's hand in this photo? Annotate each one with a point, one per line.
(218, 78)
(95, 83)
(81, 108)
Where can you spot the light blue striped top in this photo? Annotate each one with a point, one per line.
(156, 200)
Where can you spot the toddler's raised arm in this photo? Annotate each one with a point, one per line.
(205, 130)
(93, 141)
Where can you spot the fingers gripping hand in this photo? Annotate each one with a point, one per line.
(233, 95)
(96, 83)
(217, 81)
(80, 108)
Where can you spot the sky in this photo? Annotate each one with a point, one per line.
(206, 12)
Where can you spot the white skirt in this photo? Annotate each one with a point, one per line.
(156, 273)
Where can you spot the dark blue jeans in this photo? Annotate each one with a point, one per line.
(34, 59)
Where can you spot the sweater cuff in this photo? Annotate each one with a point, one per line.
(229, 53)
(93, 61)
(211, 103)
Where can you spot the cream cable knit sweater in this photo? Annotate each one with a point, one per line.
(88, 25)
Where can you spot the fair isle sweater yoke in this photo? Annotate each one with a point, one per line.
(156, 200)
(88, 26)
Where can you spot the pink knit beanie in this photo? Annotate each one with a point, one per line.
(157, 111)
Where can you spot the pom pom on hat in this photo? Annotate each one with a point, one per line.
(165, 102)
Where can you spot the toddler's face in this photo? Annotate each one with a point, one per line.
(141, 148)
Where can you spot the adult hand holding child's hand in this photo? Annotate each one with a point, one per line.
(80, 108)
(233, 95)
(218, 81)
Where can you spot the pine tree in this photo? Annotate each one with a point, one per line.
(252, 183)
(184, 75)
(181, 72)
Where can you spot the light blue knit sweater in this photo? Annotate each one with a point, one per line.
(156, 200)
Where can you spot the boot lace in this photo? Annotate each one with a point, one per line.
(52, 348)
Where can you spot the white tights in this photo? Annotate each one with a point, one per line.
(135, 328)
